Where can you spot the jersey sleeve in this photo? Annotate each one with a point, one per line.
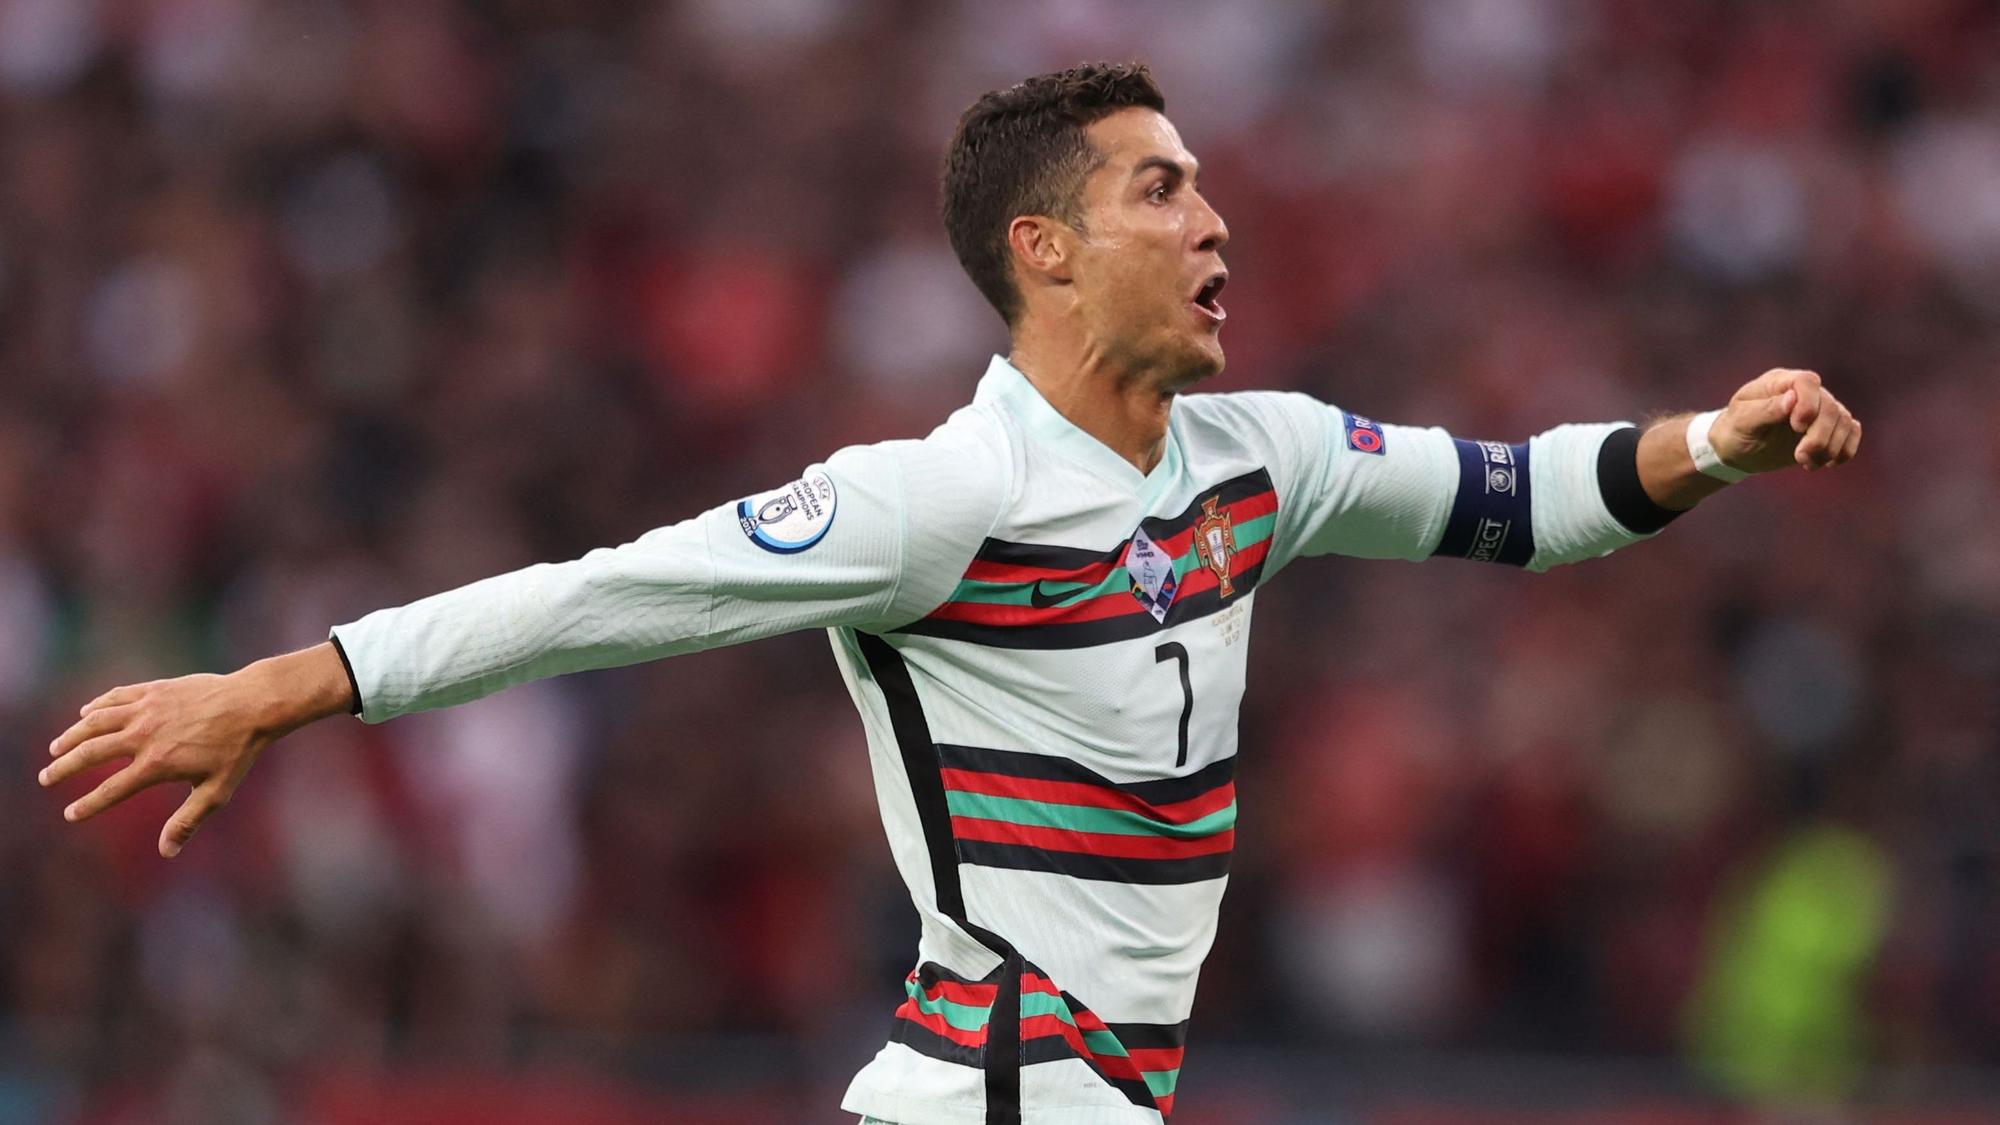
(873, 537)
(1351, 486)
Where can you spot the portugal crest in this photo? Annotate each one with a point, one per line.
(1215, 543)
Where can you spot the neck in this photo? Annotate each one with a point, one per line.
(1123, 408)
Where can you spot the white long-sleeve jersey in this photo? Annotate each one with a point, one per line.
(1047, 650)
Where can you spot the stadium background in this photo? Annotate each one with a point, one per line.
(308, 307)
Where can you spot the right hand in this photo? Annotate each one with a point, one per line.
(203, 729)
(1784, 417)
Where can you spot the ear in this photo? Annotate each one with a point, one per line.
(1043, 247)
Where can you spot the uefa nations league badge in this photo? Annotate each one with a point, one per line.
(787, 520)
(1152, 572)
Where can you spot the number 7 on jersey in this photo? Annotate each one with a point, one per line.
(1176, 651)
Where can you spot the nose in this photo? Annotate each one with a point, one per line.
(1213, 232)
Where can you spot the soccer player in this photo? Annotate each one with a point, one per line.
(1041, 610)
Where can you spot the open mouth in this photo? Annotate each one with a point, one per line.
(1206, 300)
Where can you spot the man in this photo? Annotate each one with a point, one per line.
(1041, 610)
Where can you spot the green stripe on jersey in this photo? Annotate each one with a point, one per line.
(968, 1017)
(1248, 534)
(1103, 1043)
(1082, 818)
(1017, 593)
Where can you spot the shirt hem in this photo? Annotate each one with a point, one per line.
(870, 1101)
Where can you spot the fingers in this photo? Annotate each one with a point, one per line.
(1771, 383)
(1845, 443)
(113, 698)
(114, 789)
(1812, 447)
(181, 827)
(1806, 410)
(1828, 440)
(89, 755)
(92, 725)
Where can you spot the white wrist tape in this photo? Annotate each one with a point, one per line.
(1705, 459)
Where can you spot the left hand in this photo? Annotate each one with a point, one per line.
(1784, 417)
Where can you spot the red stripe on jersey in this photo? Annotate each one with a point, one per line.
(935, 1023)
(1175, 545)
(1117, 603)
(1244, 510)
(1036, 1027)
(1202, 579)
(1090, 843)
(1156, 1058)
(1036, 982)
(1086, 795)
(1020, 574)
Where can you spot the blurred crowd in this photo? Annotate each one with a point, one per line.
(313, 306)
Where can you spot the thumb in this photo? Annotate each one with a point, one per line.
(186, 820)
(1762, 413)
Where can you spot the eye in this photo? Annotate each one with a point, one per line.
(1159, 192)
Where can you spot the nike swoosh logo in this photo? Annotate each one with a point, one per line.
(1042, 599)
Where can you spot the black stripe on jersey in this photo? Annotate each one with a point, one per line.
(1047, 767)
(1088, 634)
(1491, 516)
(1045, 555)
(1142, 1036)
(1055, 1047)
(929, 1043)
(1103, 868)
(1043, 1049)
(913, 739)
(1002, 1055)
(1150, 1036)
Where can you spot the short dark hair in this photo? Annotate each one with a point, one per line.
(1022, 151)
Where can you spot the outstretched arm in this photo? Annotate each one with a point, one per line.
(1352, 486)
(873, 538)
(206, 730)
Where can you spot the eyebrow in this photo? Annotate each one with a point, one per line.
(1171, 167)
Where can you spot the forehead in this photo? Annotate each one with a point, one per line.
(1131, 135)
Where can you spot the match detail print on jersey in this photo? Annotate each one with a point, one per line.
(1363, 435)
(788, 520)
(1172, 569)
(1154, 581)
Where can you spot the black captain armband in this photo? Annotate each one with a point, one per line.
(1492, 516)
(1618, 479)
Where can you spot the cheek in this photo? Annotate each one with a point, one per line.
(1130, 271)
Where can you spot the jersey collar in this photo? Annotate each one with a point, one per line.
(1005, 385)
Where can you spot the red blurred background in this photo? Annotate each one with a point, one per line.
(310, 306)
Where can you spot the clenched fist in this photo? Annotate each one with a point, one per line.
(1784, 417)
